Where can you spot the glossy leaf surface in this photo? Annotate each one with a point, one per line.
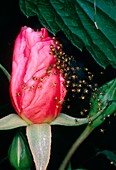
(88, 23)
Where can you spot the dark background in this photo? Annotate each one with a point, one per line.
(11, 20)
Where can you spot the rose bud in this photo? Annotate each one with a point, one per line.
(19, 154)
(37, 85)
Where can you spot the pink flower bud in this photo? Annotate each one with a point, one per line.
(36, 87)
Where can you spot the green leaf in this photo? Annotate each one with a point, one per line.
(85, 23)
(81, 169)
(69, 166)
(109, 155)
(11, 121)
(27, 8)
(39, 139)
(19, 154)
(44, 12)
(105, 101)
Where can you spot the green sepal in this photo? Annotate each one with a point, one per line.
(12, 121)
(39, 139)
(5, 72)
(66, 120)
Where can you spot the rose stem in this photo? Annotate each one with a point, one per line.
(75, 145)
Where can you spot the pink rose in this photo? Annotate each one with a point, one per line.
(36, 87)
